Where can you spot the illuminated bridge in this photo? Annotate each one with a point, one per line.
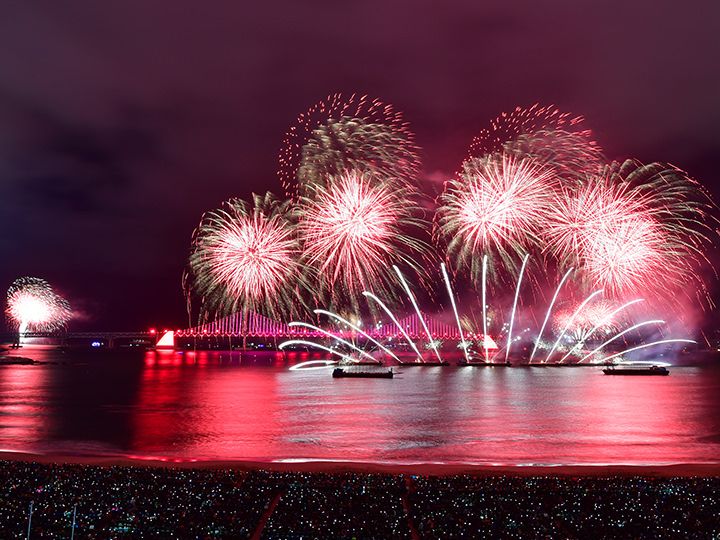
(255, 325)
(220, 333)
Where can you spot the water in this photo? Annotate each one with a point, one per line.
(225, 406)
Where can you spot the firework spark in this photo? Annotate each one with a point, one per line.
(341, 134)
(33, 306)
(352, 228)
(598, 318)
(247, 255)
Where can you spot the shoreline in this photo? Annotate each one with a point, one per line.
(413, 468)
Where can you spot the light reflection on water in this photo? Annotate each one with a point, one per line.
(210, 405)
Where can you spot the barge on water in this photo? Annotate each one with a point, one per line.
(423, 363)
(464, 363)
(340, 373)
(636, 370)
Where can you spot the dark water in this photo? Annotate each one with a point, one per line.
(209, 405)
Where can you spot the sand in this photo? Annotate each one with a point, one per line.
(420, 469)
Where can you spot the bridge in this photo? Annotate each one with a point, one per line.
(92, 339)
(256, 325)
(252, 325)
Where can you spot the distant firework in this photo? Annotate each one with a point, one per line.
(555, 139)
(246, 256)
(33, 306)
(353, 228)
(496, 206)
(339, 135)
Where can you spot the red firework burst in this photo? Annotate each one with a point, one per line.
(626, 255)
(632, 228)
(576, 216)
(247, 256)
(353, 229)
(496, 205)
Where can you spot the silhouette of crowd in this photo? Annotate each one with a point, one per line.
(148, 502)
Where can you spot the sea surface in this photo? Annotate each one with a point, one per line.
(233, 406)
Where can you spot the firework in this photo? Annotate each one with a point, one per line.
(33, 306)
(338, 135)
(577, 213)
(352, 228)
(247, 256)
(625, 256)
(624, 225)
(495, 206)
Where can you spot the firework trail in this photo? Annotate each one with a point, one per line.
(495, 206)
(411, 296)
(357, 329)
(591, 317)
(646, 345)
(351, 229)
(33, 306)
(464, 345)
(390, 314)
(547, 314)
(248, 256)
(337, 337)
(619, 335)
(514, 307)
(570, 321)
(338, 135)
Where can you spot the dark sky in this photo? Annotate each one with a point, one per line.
(121, 122)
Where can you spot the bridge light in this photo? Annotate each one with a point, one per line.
(152, 331)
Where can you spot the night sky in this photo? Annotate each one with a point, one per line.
(120, 123)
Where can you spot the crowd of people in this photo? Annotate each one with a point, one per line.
(146, 502)
(561, 507)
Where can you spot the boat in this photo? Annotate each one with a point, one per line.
(17, 361)
(636, 370)
(340, 373)
(465, 363)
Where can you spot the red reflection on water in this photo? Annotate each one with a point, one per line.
(224, 413)
(643, 414)
(211, 405)
(23, 402)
